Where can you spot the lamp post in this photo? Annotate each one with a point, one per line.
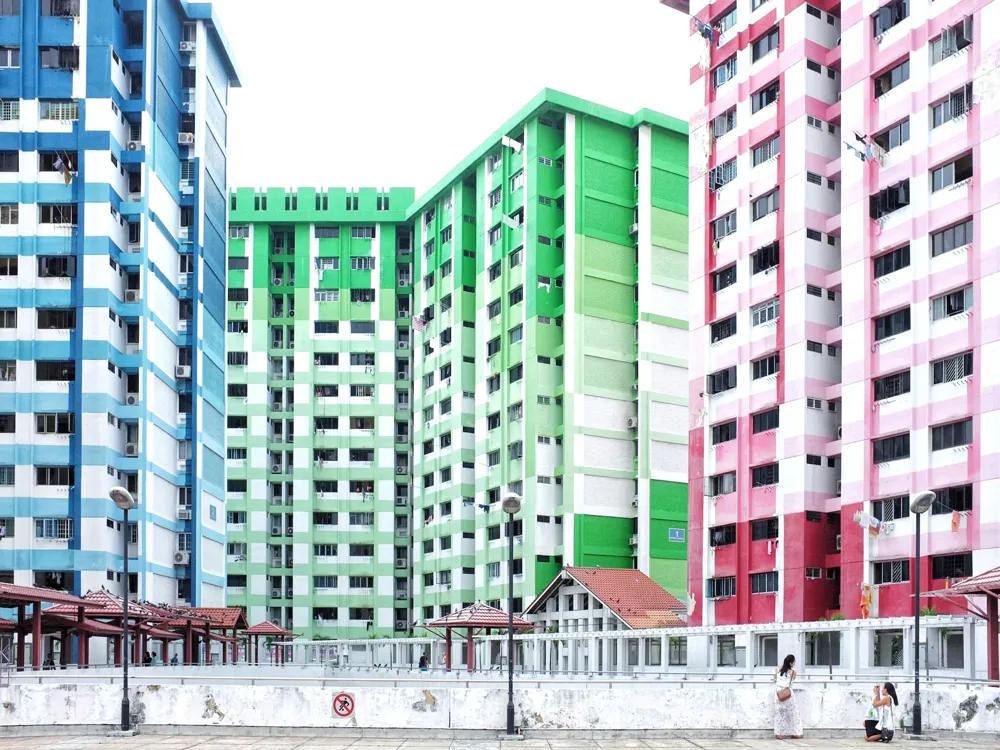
(919, 505)
(124, 500)
(511, 505)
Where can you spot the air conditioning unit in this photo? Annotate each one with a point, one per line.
(402, 501)
(188, 107)
(275, 531)
(634, 229)
(185, 139)
(132, 399)
(289, 531)
(132, 295)
(634, 541)
(276, 594)
(838, 542)
(635, 501)
(183, 514)
(182, 557)
(131, 449)
(276, 469)
(447, 587)
(400, 624)
(400, 469)
(133, 145)
(401, 564)
(276, 281)
(838, 488)
(632, 423)
(182, 371)
(188, 46)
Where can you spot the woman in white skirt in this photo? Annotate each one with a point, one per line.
(787, 723)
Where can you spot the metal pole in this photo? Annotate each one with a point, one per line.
(916, 640)
(125, 649)
(510, 625)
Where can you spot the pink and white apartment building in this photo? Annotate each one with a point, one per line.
(845, 304)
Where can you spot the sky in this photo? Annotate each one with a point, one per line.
(393, 93)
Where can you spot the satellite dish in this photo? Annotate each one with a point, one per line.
(922, 502)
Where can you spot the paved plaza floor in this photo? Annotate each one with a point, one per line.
(222, 742)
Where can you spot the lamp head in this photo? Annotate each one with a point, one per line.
(922, 502)
(122, 498)
(511, 504)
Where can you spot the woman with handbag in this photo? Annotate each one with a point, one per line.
(787, 723)
(880, 720)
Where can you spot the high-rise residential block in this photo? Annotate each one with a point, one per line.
(546, 280)
(112, 259)
(842, 328)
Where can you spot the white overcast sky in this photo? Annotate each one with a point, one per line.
(386, 93)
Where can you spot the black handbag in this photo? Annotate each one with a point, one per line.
(887, 733)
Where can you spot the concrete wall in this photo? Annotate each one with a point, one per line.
(628, 708)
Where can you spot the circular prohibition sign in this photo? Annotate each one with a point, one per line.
(343, 705)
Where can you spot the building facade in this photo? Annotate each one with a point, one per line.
(318, 417)
(112, 253)
(545, 277)
(841, 323)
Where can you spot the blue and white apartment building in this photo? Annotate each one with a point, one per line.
(112, 294)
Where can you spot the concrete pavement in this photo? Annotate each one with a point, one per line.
(222, 742)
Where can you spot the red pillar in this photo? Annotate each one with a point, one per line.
(208, 645)
(118, 650)
(164, 651)
(188, 638)
(992, 634)
(470, 651)
(36, 636)
(256, 650)
(20, 636)
(225, 648)
(81, 640)
(86, 650)
(64, 649)
(447, 649)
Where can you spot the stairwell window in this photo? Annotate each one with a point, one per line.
(951, 304)
(952, 368)
(955, 105)
(946, 240)
(890, 199)
(725, 72)
(952, 435)
(892, 78)
(951, 173)
(952, 40)
(892, 324)
(764, 45)
(766, 205)
(894, 260)
(765, 97)
(891, 386)
(889, 15)
(891, 448)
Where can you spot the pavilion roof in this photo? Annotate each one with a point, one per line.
(12, 596)
(478, 616)
(269, 629)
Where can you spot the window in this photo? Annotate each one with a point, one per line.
(768, 204)
(946, 240)
(516, 295)
(814, 346)
(724, 278)
(814, 66)
(951, 566)
(54, 528)
(890, 571)
(956, 105)
(815, 179)
(766, 312)
(764, 583)
(327, 233)
(720, 588)
(952, 40)
(54, 370)
(724, 226)
(363, 233)
(724, 123)
(891, 386)
(722, 175)
(765, 258)
(362, 295)
(952, 499)
(493, 384)
(10, 7)
(723, 484)
(892, 324)
(765, 44)
(891, 261)
(724, 72)
(725, 21)
(952, 368)
(59, 58)
(325, 550)
(57, 214)
(891, 448)
(765, 421)
(516, 334)
(55, 476)
(55, 424)
(952, 435)
(723, 329)
(952, 173)
(446, 234)
(362, 263)
(10, 57)
(494, 235)
(892, 78)
(889, 15)
(723, 433)
(951, 304)
(64, 111)
(895, 136)
(723, 380)
(763, 476)
(9, 214)
(766, 96)
(517, 181)
(515, 373)
(891, 508)
(721, 536)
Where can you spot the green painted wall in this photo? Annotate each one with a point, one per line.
(603, 541)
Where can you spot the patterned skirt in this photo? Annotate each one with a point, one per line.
(787, 722)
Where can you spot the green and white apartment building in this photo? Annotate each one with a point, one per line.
(398, 366)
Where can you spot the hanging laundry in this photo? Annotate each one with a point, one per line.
(64, 167)
(860, 154)
(419, 324)
(956, 520)
(705, 30)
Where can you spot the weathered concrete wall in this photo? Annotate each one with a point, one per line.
(636, 708)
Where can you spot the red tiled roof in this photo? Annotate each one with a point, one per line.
(987, 581)
(12, 595)
(227, 617)
(102, 603)
(477, 616)
(7, 626)
(633, 596)
(268, 628)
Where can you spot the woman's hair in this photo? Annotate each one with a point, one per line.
(891, 690)
(786, 665)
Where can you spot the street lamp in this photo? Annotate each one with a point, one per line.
(124, 500)
(511, 505)
(919, 505)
